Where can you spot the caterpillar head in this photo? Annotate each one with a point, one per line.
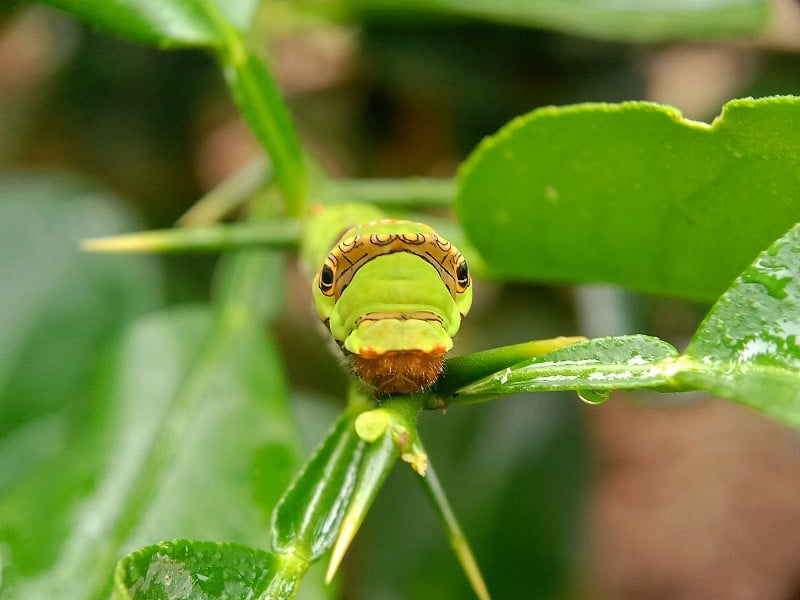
(393, 294)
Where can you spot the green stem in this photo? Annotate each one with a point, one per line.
(285, 582)
(414, 192)
(458, 541)
(228, 195)
(257, 96)
(273, 235)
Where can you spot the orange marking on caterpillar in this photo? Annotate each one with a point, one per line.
(368, 352)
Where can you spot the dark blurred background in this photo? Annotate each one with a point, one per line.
(643, 497)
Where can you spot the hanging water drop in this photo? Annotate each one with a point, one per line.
(594, 396)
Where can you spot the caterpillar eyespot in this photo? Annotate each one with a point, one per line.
(462, 274)
(326, 278)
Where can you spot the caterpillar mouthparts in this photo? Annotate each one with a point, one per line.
(398, 372)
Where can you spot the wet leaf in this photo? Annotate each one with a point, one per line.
(604, 364)
(461, 370)
(748, 347)
(196, 571)
(633, 194)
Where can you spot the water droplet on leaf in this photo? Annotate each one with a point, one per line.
(594, 396)
(774, 285)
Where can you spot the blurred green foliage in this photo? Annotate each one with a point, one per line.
(83, 347)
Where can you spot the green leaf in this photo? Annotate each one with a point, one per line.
(633, 194)
(167, 23)
(635, 361)
(461, 370)
(187, 436)
(748, 347)
(306, 520)
(630, 20)
(326, 504)
(196, 571)
(60, 309)
(378, 459)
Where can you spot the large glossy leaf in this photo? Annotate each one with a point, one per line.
(59, 309)
(631, 20)
(165, 23)
(633, 194)
(187, 435)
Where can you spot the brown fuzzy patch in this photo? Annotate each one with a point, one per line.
(398, 372)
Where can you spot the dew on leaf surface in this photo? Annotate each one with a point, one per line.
(594, 396)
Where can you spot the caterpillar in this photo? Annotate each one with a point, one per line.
(393, 293)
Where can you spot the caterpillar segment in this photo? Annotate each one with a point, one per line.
(393, 294)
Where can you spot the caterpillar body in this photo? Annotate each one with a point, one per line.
(393, 293)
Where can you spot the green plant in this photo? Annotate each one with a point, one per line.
(629, 194)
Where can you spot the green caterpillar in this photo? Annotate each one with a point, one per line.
(392, 293)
